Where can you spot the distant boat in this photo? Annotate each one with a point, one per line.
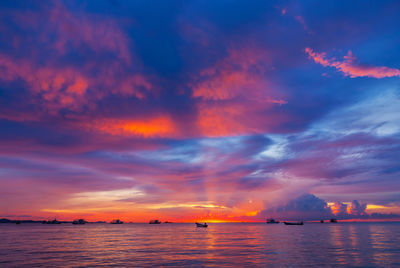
(321, 221)
(272, 221)
(293, 223)
(154, 222)
(201, 225)
(17, 222)
(79, 221)
(168, 222)
(55, 221)
(333, 220)
(117, 222)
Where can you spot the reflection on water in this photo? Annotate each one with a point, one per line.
(228, 244)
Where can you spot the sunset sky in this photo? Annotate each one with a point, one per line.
(199, 110)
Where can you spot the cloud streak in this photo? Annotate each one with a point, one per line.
(350, 67)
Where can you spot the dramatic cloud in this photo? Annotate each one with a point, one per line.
(193, 110)
(339, 209)
(56, 83)
(305, 207)
(350, 67)
(357, 209)
(310, 207)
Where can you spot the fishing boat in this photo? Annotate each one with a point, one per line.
(79, 221)
(333, 220)
(201, 225)
(154, 222)
(293, 223)
(271, 221)
(117, 222)
(321, 221)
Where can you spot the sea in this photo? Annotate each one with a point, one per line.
(344, 244)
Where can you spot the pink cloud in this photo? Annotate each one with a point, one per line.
(301, 20)
(65, 88)
(234, 94)
(240, 73)
(231, 119)
(64, 31)
(56, 83)
(351, 68)
(83, 29)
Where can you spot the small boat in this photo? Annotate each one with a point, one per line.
(321, 221)
(168, 222)
(293, 223)
(154, 222)
(55, 221)
(333, 220)
(272, 221)
(79, 221)
(117, 222)
(201, 225)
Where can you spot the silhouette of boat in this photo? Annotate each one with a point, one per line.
(321, 221)
(17, 222)
(168, 222)
(201, 225)
(117, 222)
(293, 223)
(154, 222)
(272, 221)
(79, 221)
(333, 220)
(55, 221)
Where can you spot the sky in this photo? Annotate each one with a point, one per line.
(199, 110)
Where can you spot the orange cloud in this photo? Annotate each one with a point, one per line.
(351, 68)
(338, 208)
(161, 126)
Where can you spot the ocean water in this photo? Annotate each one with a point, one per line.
(184, 245)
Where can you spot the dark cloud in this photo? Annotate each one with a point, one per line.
(305, 207)
(357, 209)
(310, 207)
